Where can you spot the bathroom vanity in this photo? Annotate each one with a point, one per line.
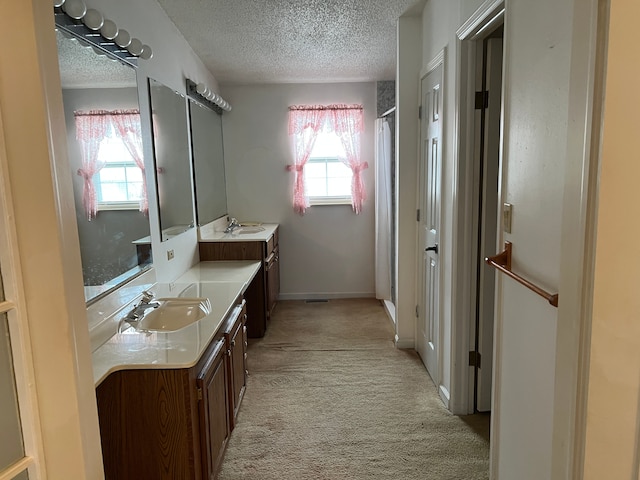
(262, 245)
(168, 400)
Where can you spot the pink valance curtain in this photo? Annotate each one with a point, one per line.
(127, 124)
(304, 126)
(348, 123)
(91, 128)
(305, 122)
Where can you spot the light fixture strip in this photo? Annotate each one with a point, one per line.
(73, 17)
(205, 95)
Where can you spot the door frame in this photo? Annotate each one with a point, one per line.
(440, 59)
(463, 302)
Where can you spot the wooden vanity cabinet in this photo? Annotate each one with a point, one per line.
(174, 423)
(262, 293)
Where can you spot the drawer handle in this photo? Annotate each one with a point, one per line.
(233, 343)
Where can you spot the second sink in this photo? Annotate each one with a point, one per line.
(174, 314)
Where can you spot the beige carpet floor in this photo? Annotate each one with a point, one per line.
(330, 397)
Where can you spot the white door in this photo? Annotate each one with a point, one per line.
(429, 221)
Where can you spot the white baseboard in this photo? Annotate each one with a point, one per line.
(405, 343)
(390, 308)
(444, 395)
(323, 296)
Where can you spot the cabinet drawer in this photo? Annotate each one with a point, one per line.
(272, 242)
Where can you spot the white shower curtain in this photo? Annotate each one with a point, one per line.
(383, 210)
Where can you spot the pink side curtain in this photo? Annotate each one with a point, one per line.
(305, 122)
(127, 124)
(91, 127)
(304, 126)
(348, 123)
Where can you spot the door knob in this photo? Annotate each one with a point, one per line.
(432, 249)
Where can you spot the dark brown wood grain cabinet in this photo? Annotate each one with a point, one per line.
(174, 423)
(262, 294)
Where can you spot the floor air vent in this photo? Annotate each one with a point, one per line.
(317, 301)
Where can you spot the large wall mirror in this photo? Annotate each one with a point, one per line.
(173, 165)
(105, 153)
(208, 162)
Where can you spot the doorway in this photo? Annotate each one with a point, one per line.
(486, 154)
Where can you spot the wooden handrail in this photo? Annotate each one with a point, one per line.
(502, 262)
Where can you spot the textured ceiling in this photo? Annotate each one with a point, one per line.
(284, 41)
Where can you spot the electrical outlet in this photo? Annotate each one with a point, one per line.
(170, 255)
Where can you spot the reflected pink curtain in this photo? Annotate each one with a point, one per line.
(304, 125)
(127, 125)
(347, 121)
(91, 128)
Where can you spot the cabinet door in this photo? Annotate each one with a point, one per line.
(237, 361)
(212, 384)
(273, 279)
(235, 336)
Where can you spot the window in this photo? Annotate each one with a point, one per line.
(327, 178)
(326, 151)
(111, 140)
(119, 183)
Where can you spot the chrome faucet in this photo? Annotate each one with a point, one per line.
(139, 310)
(233, 224)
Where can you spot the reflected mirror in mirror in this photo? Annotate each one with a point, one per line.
(208, 163)
(173, 167)
(104, 137)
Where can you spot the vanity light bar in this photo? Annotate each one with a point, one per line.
(74, 17)
(204, 94)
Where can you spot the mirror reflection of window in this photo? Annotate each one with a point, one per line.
(115, 243)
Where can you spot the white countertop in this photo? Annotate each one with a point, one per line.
(210, 235)
(221, 282)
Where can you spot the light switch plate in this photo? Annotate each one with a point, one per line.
(170, 255)
(507, 216)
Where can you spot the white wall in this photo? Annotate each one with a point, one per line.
(407, 100)
(328, 252)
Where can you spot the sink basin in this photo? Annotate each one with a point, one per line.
(248, 230)
(174, 314)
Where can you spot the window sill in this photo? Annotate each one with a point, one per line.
(119, 206)
(329, 201)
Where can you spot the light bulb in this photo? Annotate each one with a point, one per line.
(200, 88)
(109, 30)
(75, 8)
(123, 39)
(146, 53)
(135, 47)
(93, 19)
